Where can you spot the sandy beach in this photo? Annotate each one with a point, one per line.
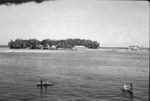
(7, 50)
(27, 50)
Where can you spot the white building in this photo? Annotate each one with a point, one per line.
(79, 48)
(133, 47)
(53, 47)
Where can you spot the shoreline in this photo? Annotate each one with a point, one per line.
(27, 50)
(8, 50)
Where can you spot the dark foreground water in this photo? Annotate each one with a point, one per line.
(93, 75)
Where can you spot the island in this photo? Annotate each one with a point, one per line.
(54, 44)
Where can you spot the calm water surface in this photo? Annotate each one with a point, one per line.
(92, 75)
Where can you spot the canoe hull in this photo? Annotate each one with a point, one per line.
(45, 84)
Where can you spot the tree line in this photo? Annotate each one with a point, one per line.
(68, 43)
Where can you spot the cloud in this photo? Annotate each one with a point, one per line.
(9, 2)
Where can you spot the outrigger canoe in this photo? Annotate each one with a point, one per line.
(45, 84)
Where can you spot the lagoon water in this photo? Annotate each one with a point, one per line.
(91, 75)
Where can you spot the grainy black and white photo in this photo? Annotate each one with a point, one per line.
(74, 50)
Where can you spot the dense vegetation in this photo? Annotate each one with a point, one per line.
(36, 44)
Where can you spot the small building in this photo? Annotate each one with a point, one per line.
(79, 48)
(46, 46)
(53, 47)
(40, 47)
(133, 47)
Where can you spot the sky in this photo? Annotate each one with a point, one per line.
(111, 23)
